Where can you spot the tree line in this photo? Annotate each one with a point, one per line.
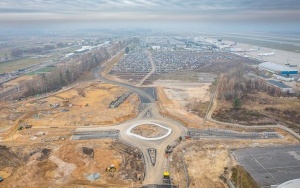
(71, 70)
(18, 52)
(236, 83)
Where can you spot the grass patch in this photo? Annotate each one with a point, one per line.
(20, 64)
(245, 180)
(45, 69)
(242, 116)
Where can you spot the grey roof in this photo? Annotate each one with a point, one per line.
(275, 67)
(278, 84)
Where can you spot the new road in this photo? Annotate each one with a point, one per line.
(154, 173)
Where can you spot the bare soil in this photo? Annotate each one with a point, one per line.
(184, 102)
(86, 104)
(149, 131)
(208, 162)
(69, 164)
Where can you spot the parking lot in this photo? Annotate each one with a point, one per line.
(272, 165)
(137, 63)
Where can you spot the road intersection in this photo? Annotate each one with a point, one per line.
(153, 173)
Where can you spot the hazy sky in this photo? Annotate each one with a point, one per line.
(154, 11)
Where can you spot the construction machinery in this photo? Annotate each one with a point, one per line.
(112, 168)
(166, 178)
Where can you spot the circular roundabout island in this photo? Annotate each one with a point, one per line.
(149, 131)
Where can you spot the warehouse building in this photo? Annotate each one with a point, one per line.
(283, 87)
(277, 69)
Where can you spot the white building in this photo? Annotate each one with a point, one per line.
(155, 47)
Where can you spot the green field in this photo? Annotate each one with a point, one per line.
(20, 63)
(45, 69)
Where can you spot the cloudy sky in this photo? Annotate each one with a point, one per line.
(238, 11)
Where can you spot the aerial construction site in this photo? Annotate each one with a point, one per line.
(130, 114)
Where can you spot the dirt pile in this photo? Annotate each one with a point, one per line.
(133, 162)
(9, 158)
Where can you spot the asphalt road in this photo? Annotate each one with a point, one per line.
(97, 75)
(153, 68)
(153, 174)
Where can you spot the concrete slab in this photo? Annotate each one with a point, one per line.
(271, 165)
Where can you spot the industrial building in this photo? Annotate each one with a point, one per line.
(277, 69)
(283, 87)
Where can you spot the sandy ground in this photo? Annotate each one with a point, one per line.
(207, 159)
(66, 164)
(175, 95)
(185, 92)
(13, 83)
(83, 105)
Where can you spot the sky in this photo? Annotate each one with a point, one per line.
(150, 12)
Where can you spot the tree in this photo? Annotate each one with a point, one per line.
(237, 103)
(68, 75)
(49, 47)
(60, 45)
(127, 50)
(35, 50)
(16, 52)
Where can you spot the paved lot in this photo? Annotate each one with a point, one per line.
(114, 134)
(272, 165)
(229, 134)
(151, 91)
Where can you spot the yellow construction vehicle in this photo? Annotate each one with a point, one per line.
(112, 168)
(166, 178)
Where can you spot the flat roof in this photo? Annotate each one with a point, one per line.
(276, 67)
(278, 84)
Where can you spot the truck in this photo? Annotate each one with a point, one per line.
(166, 178)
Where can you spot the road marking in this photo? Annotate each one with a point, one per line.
(264, 168)
(295, 155)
